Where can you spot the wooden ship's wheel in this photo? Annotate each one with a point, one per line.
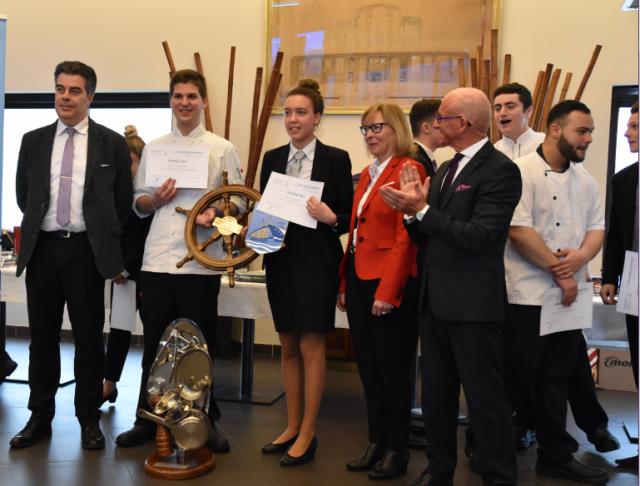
(227, 227)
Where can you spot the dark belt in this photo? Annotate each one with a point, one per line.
(64, 234)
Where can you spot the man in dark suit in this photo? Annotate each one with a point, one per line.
(427, 139)
(462, 216)
(73, 185)
(621, 237)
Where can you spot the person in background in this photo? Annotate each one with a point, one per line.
(426, 138)
(133, 238)
(622, 237)
(302, 277)
(378, 291)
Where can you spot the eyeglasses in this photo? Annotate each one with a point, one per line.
(374, 127)
(440, 118)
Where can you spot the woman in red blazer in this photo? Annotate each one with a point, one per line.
(377, 289)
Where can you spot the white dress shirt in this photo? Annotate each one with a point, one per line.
(561, 208)
(165, 244)
(78, 174)
(307, 163)
(468, 153)
(524, 145)
(375, 169)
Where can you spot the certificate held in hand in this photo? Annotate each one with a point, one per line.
(187, 164)
(286, 197)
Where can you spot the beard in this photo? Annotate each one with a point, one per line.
(569, 151)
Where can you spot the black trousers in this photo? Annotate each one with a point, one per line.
(63, 270)
(384, 347)
(549, 363)
(466, 353)
(632, 333)
(587, 411)
(166, 298)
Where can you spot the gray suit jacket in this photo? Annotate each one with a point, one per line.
(107, 198)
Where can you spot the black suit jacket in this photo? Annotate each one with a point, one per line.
(332, 166)
(620, 234)
(420, 155)
(465, 230)
(107, 198)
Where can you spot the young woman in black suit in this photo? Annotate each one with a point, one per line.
(302, 277)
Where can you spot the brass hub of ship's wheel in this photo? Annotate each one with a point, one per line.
(228, 227)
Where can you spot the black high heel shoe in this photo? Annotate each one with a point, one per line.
(288, 460)
(111, 397)
(280, 447)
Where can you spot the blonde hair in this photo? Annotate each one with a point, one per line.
(395, 117)
(134, 142)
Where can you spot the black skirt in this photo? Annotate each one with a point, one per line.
(302, 282)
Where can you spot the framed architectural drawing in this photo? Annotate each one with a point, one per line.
(362, 51)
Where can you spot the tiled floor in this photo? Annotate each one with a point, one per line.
(341, 434)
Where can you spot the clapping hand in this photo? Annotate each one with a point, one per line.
(411, 197)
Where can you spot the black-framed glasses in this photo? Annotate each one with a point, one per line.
(374, 127)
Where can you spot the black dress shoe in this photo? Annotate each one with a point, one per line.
(217, 442)
(428, 479)
(628, 462)
(33, 432)
(372, 454)
(392, 465)
(7, 367)
(137, 435)
(288, 460)
(280, 447)
(91, 437)
(574, 471)
(111, 397)
(603, 440)
(523, 438)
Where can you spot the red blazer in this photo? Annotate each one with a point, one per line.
(384, 250)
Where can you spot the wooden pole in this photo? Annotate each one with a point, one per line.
(548, 102)
(493, 80)
(272, 91)
(565, 87)
(486, 76)
(227, 119)
(255, 108)
(506, 72)
(207, 110)
(473, 63)
(536, 94)
(537, 111)
(587, 74)
(480, 58)
(167, 53)
(462, 79)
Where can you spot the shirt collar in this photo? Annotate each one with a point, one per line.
(427, 150)
(376, 168)
(523, 138)
(471, 150)
(309, 150)
(196, 132)
(82, 127)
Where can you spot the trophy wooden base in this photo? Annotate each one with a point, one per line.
(197, 463)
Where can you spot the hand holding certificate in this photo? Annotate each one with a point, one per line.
(557, 317)
(286, 197)
(188, 165)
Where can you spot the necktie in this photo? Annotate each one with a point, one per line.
(453, 168)
(296, 164)
(63, 210)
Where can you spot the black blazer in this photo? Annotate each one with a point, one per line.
(620, 234)
(420, 155)
(332, 166)
(107, 198)
(133, 239)
(465, 231)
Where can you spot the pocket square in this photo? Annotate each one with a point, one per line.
(462, 187)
